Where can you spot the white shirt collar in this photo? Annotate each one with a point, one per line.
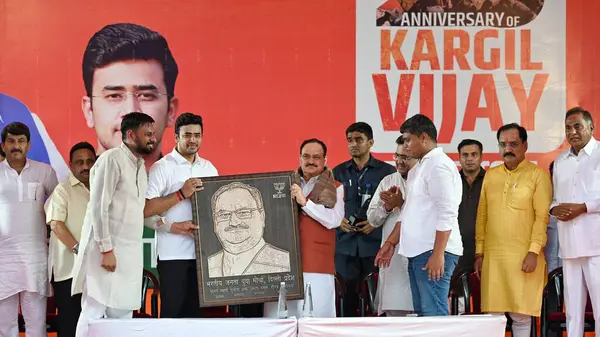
(5, 162)
(130, 154)
(434, 152)
(587, 149)
(181, 160)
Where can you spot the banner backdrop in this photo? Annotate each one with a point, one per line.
(266, 75)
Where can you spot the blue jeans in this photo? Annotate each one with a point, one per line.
(430, 298)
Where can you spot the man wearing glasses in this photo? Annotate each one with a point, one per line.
(239, 222)
(511, 231)
(128, 68)
(393, 291)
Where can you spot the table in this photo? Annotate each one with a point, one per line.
(448, 326)
(194, 327)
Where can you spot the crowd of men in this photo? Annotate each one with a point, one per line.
(418, 224)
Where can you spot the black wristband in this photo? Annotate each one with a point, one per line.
(182, 195)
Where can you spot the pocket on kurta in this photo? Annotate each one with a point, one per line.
(32, 191)
(520, 197)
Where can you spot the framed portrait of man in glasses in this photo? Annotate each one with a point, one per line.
(248, 239)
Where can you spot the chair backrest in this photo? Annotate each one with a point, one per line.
(150, 281)
(475, 292)
(368, 292)
(554, 291)
(459, 287)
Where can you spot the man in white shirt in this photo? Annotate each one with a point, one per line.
(393, 291)
(427, 231)
(172, 181)
(109, 267)
(65, 211)
(24, 184)
(576, 204)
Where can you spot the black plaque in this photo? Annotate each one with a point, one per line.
(248, 240)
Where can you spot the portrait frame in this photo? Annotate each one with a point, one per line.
(219, 212)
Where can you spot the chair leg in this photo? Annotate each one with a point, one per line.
(543, 327)
(533, 326)
(362, 307)
(454, 301)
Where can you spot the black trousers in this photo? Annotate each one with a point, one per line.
(179, 289)
(353, 270)
(69, 308)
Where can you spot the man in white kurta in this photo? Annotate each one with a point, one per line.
(393, 296)
(576, 205)
(24, 184)
(109, 268)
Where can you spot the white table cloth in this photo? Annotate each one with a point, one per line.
(455, 326)
(212, 327)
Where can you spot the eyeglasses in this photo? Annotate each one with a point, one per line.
(512, 145)
(242, 214)
(401, 157)
(117, 98)
(307, 157)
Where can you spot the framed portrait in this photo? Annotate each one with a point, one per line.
(248, 240)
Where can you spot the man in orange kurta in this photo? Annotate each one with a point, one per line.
(510, 233)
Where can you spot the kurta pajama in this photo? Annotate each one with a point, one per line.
(393, 290)
(114, 221)
(511, 221)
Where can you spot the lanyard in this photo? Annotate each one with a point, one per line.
(360, 177)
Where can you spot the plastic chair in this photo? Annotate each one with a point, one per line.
(149, 281)
(553, 315)
(340, 290)
(368, 291)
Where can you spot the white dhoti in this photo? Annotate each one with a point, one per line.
(323, 298)
(580, 276)
(394, 296)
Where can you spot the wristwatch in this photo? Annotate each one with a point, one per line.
(75, 248)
